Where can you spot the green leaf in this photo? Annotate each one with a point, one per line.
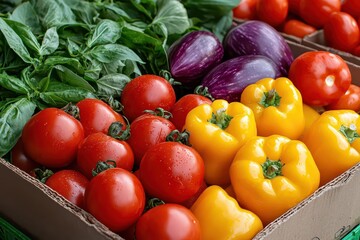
(73, 48)
(112, 84)
(113, 52)
(53, 13)
(14, 84)
(93, 70)
(106, 31)
(72, 63)
(69, 77)
(84, 10)
(15, 42)
(221, 27)
(13, 118)
(209, 9)
(25, 14)
(173, 15)
(50, 42)
(27, 36)
(59, 94)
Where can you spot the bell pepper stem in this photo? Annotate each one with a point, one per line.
(221, 119)
(272, 168)
(349, 132)
(270, 98)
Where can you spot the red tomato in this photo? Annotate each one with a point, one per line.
(189, 202)
(321, 77)
(356, 51)
(51, 138)
(146, 131)
(183, 106)
(101, 147)
(350, 100)
(294, 6)
(168, 222)
(273, 12)
(20, 159)
(342, 32)
(351, 7)
(297, 28)
(146, 92)
(97, 116)
(70, 184)
(116, 198)
(317, 13)
(171, 171)
(245, 10)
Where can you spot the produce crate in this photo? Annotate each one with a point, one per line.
(10, 232)
(354, 234)
(330, 213)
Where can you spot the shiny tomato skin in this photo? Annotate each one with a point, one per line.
(146, 92)
(273, 12)
(342, 32)
(350, 100)
(317, 13)
(116, 198)
(183, 106)
(351, 7)
(51, 138)
(146, 131)
(297, 28)
(20, 159)
(178, 175)
(294, 6)
(168, 222)
(246, 9)
(101, 147)
(321, 77)
(97, 116)
(70, 184)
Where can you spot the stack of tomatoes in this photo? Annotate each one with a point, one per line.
(339, 19)
(113, 164)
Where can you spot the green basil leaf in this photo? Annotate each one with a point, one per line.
(50, 42)
(25, 14)
(53, 13)
(106, 31)
(173, 15)
(13, 118)
(14, 84)
(209, 9)
(72, 63)
(15, 42)
(112, 84)
(93, 69)
(72, 47)
(69, 77)
(26, 34)
(59, 94)
(84, 10)
(113, 52)
(221, 27)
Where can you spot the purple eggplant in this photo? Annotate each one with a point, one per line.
(228, 79)
(193, 55)
(259, 38)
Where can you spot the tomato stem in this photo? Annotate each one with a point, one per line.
(72, 109)
(203, 91)
(153, 202)
(113, 103)
(167, 75)
(160, 112)
(43, 174)
(116, 130)
(102, 166)
(272, 168)
(177, 136)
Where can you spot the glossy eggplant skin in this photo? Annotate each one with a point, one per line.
(193, 55)
(259, 38)
(229, 79)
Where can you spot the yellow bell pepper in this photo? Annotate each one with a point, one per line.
(277, 106)
(221, 217)
(273, 174)
(310, 115)
(217, 131)
(333, 140)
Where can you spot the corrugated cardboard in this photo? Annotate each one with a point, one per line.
(329, 213)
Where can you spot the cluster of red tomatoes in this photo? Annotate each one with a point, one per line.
(113, 164)
(339, 19)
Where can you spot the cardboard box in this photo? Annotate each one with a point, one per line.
(331, 212)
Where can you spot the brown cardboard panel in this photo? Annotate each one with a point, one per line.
(316, 40)
(331, 212)
(42, 213)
